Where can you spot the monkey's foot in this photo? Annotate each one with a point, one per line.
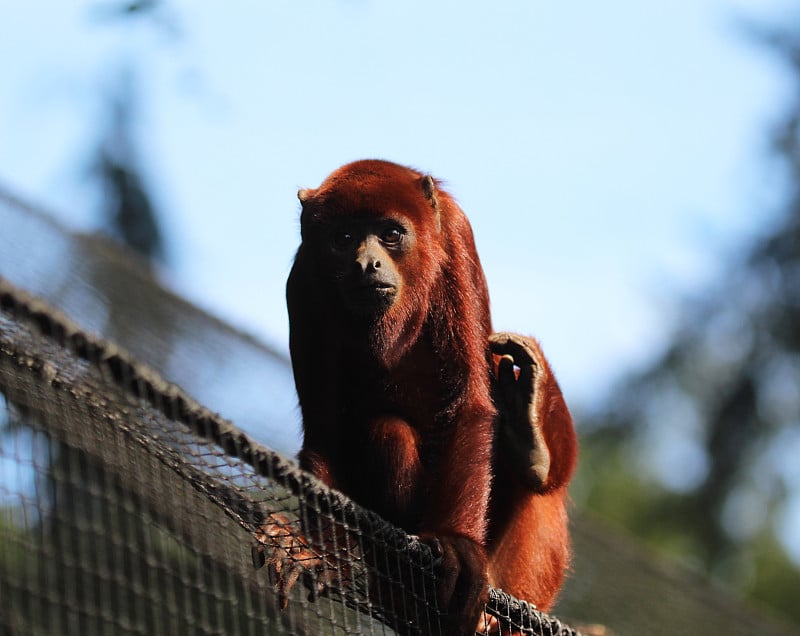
(289, 558)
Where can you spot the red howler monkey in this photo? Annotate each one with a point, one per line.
(389, 325)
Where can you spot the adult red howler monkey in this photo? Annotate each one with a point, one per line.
(390, 345)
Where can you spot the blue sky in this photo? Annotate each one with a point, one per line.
(608, 154)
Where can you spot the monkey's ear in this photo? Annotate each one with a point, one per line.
(429, 190)
(304, 194)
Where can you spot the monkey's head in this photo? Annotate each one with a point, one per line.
(373, 229)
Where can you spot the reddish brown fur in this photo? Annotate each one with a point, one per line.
(440, 323)
(398, 413)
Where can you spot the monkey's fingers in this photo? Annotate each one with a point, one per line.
(522, 350)
(449, 570)
(488, 625)
(275, 567)
(277, 531)
(285, 583)
(327, 577)
(258, 554)
(506, 382)
(521, 427)
(461, 580)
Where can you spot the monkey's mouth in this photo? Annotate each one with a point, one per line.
(379, 287)
(370, 290)
(372, 297)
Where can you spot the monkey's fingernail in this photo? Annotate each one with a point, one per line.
(505, 363)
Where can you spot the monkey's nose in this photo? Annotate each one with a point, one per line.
(368, 264)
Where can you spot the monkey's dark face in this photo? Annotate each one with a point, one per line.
(365, 256)
(374, 231)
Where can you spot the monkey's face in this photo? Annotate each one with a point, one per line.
(365, 256)
(373, 231)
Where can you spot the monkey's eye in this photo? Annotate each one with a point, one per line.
(392, 236)
(342, 239)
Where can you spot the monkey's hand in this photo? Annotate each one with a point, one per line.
(517, 396)
(289, 556)
(462, 581)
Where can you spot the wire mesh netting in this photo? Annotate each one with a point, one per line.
(126, 507)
